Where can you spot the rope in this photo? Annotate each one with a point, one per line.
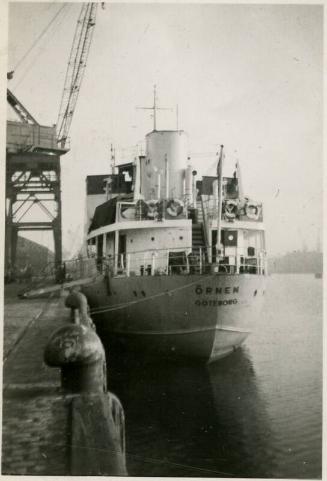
(116, 307)
(39, 37)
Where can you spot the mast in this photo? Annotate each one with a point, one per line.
(239, 181)
(220, 197)
(112, 158)
(155, 108)
(167, 176)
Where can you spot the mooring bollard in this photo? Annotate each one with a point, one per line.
(79, 353)
(79, 308)
(97, 417)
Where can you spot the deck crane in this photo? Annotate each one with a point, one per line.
(75, 69)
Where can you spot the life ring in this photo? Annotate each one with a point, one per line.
(231, 208)
(175, 207)
(252, 210)
(152, 209)
(141, 210)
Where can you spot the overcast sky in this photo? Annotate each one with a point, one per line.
(246, 76)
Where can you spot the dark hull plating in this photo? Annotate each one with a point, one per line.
(203, 317)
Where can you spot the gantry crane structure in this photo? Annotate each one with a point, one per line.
(33, 173)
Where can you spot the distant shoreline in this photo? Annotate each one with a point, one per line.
(297, 262)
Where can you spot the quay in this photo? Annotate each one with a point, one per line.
(45, 429)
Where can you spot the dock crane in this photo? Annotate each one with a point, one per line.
(33, 173)
(75, 69)
(74, 75)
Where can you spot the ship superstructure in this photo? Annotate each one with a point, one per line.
(181, 262)
(155, 206)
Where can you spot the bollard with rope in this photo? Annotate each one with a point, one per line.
(97, 417)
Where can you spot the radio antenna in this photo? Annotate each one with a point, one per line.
(155, 108)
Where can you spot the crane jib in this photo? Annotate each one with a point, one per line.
(75, 69)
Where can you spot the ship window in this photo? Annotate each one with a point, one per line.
(180, 237)
(131, 241)
(152, 238)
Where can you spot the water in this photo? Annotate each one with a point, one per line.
(256, 413)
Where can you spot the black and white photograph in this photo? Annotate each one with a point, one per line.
(162, 240)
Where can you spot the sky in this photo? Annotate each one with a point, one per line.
(246, 76)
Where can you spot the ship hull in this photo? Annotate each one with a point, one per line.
(200, 317)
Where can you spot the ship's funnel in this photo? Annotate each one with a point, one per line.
(166, 159)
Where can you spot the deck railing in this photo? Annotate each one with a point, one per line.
(181, 261)
(162, 262)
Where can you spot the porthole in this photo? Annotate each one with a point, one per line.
(255, 293)
(152, 238)
(181, 237)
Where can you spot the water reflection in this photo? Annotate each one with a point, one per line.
(241, 412)
(256, 413)
(193, 421)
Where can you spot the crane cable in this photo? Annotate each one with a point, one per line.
(55, 27)
(39, 37)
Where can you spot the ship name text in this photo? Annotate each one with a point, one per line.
(216, 290)
(215, 302)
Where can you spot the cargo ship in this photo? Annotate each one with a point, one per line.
(181, 262)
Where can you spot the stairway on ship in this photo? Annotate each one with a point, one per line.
(198, 246)
(197, 230)
(197, 238)
(199, 212)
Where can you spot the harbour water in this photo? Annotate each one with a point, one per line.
(256, 413)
